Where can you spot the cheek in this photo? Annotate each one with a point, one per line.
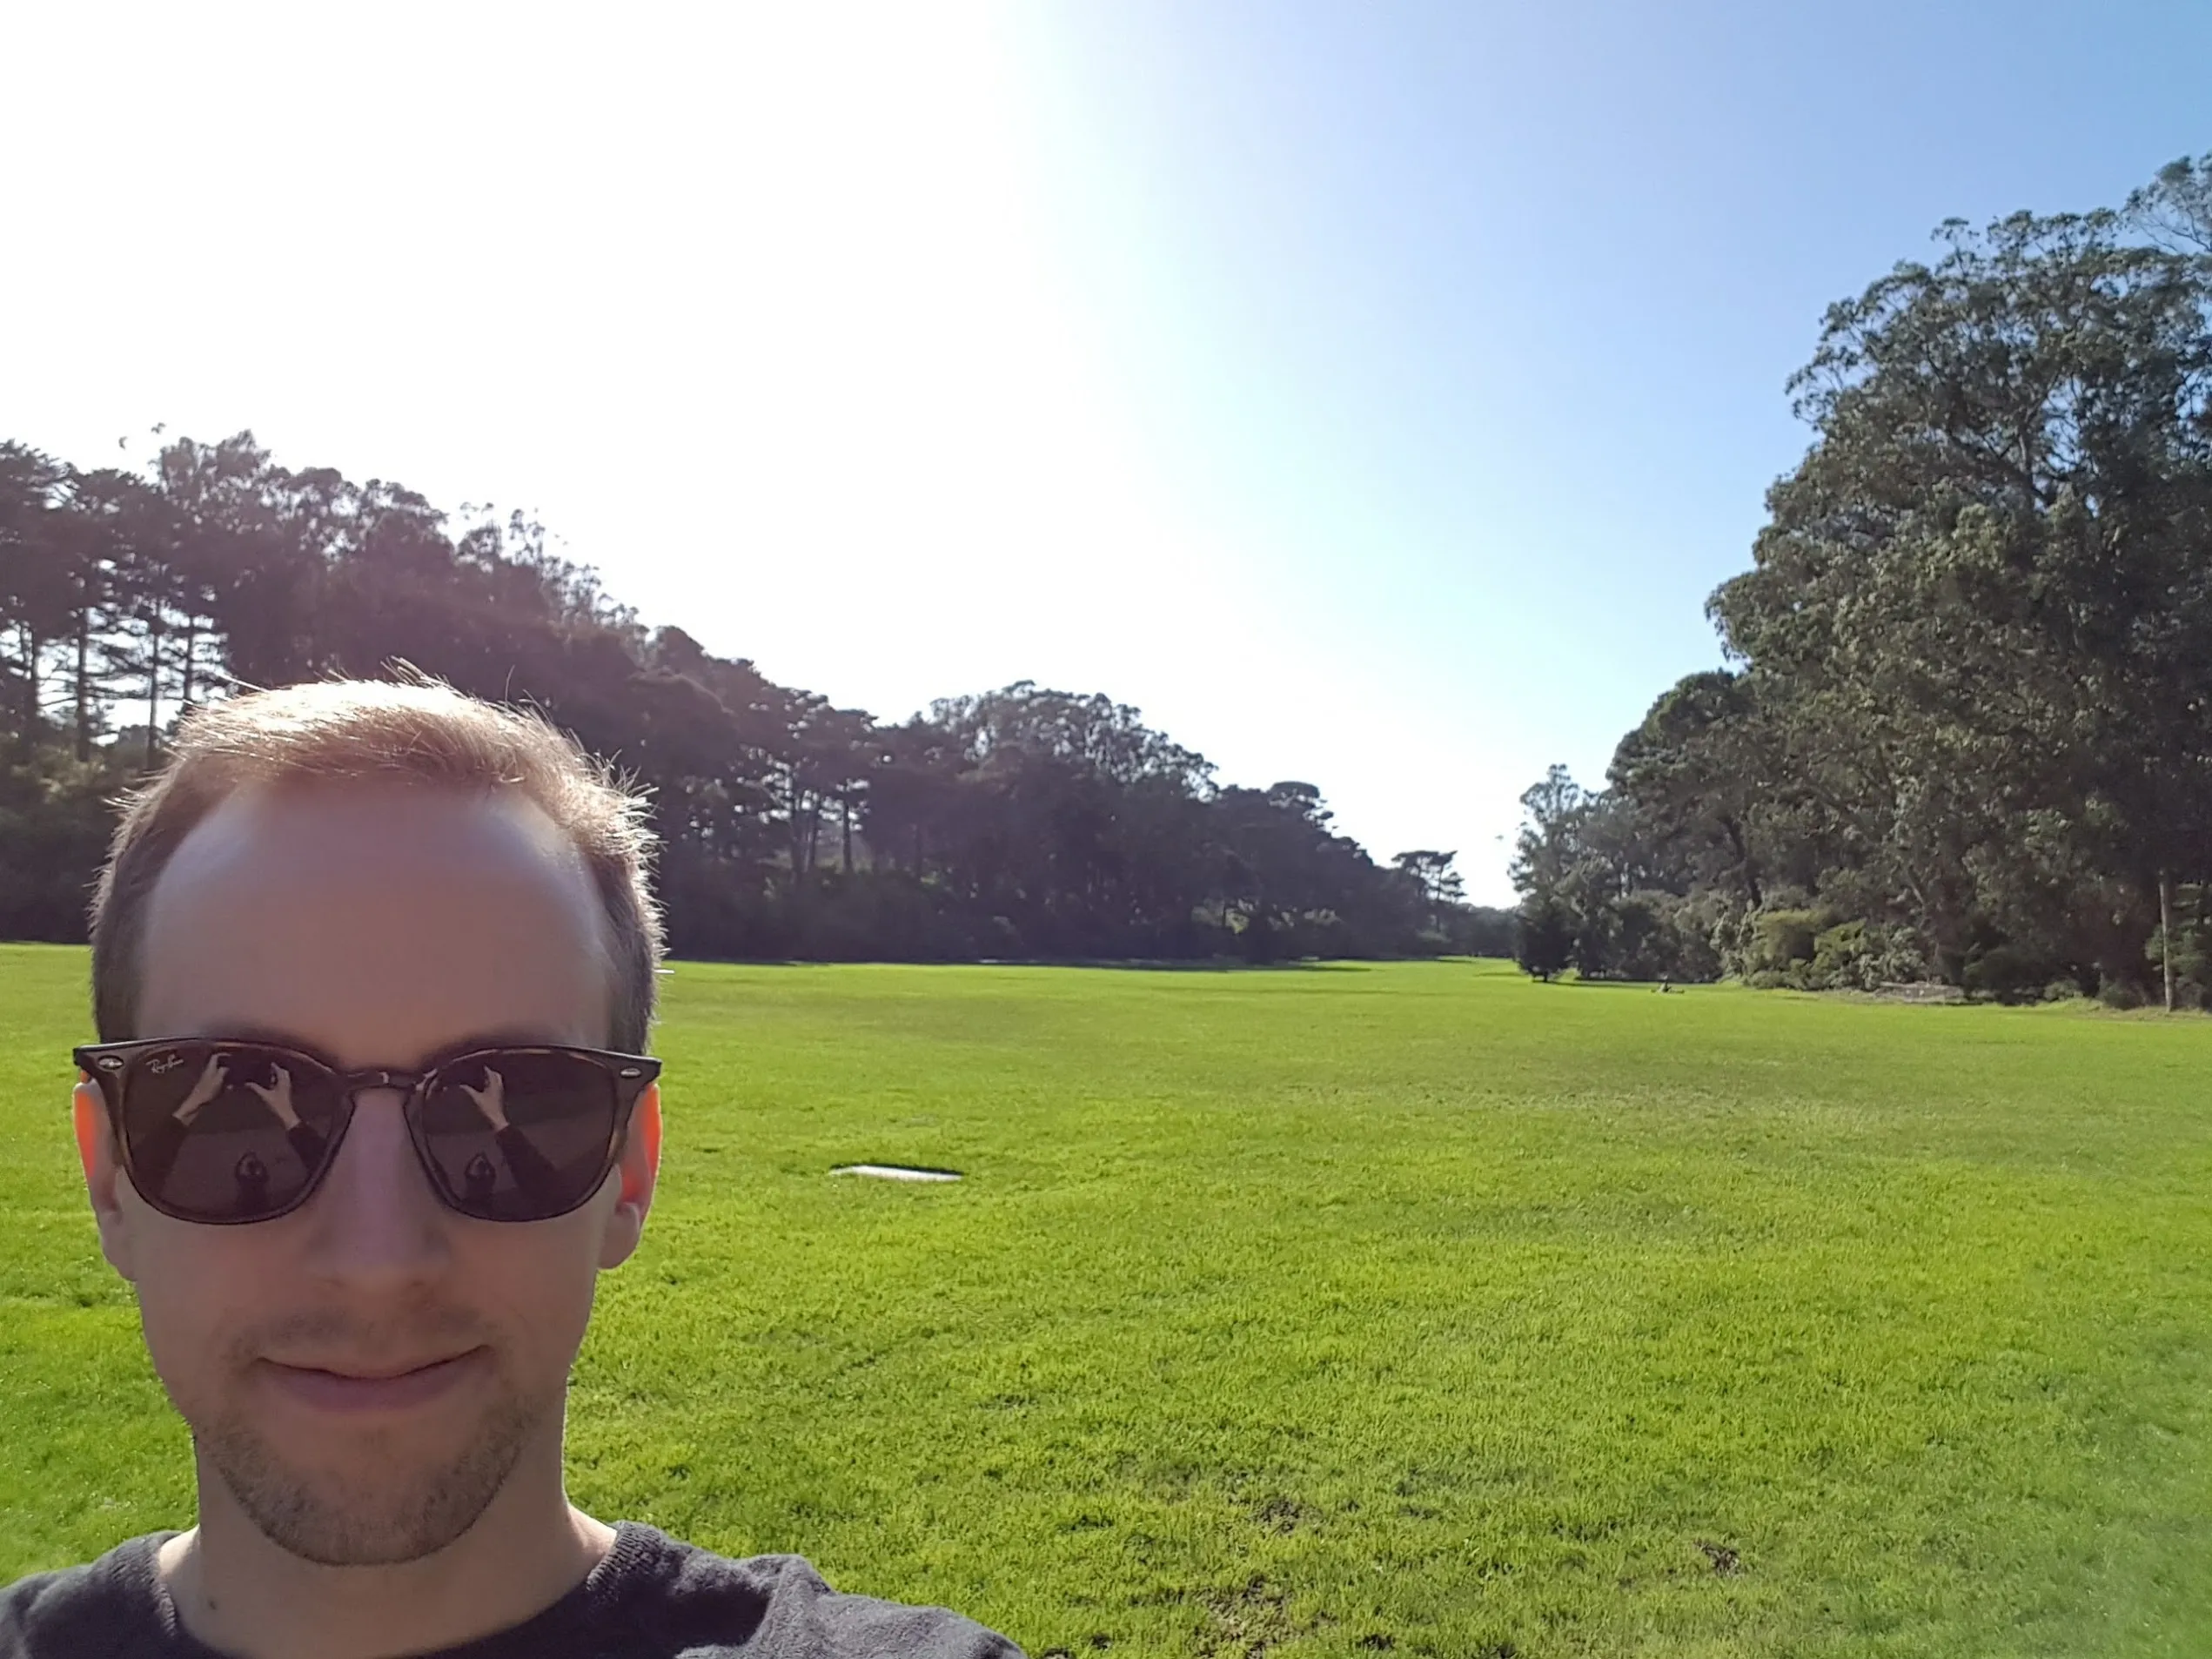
(196, 1291)
(525, 1287)
(535, 1281)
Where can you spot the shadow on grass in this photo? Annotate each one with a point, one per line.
(1117, 965)
(1221, 965)
(1132, 964)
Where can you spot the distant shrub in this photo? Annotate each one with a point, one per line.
(1644, 944)
(1546, 939)
(1787, 938)
(1810, 948)
(2118, 993)
(1662, 935)
(1705, 924)
(2010, 973)
(1863, 956)
(1778, 942)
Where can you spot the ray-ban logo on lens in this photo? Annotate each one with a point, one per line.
(162, 1062)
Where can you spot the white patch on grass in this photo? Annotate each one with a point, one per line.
(895, 1172)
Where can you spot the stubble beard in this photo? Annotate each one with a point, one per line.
(383, 1505)
(380, 1519)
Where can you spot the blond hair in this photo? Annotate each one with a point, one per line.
(420, 730)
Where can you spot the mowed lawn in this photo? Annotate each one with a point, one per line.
(1338, 1311)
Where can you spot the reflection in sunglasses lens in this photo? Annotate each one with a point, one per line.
(520, 1135)
(221, 1134)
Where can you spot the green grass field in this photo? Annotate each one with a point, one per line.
(1407, 1308)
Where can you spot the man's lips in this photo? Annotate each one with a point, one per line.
(345, 1390)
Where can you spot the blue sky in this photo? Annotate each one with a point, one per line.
(1371, 393)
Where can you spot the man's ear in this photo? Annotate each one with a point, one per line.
(639, 1171)
(96, 1150)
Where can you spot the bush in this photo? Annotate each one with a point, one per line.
(1842, 960)
(2010, 973)
(1703, 924)
(1645, 945)
(1777, 942)
(1865, 956)
(1810, 950)
(1545, 944)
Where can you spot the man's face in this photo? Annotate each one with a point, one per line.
(365, 1373)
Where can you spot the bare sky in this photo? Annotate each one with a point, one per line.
(1370, 393)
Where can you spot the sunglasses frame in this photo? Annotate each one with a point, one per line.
(107, 1066)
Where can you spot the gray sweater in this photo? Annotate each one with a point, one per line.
(651, 1598)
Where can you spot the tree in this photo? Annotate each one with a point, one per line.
(1544, 945)
(37, 585)
(1441, 887)
(1019, 821)
(1984, 601)
(1561, 880)
(2174, 210)
(1971, 667)
(1700, 774)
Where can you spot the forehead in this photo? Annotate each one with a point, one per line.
(378, 922)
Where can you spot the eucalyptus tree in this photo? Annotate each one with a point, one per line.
(1980, 615)
(38, 586)
(1435, 877)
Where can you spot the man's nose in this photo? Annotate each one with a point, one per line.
(374, 1223)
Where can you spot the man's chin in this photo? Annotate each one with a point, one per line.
(372, 1497)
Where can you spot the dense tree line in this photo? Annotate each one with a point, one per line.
(1022, 822)
(1965, 729)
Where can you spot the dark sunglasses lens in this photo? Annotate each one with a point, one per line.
(519, 1135)
(219, 1132)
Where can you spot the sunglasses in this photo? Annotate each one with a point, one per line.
(225, 1132)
